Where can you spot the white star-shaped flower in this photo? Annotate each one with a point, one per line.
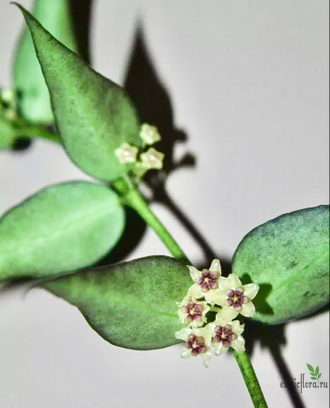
(197, 342)
(126, 153)
(206, 282)
(236, 298)
(149, 134)
(152, 159)
(193, 312)
(227, 333)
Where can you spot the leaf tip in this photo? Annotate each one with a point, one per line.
(18, 5)
(28, 16)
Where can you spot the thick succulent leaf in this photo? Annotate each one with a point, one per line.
(7, 134)
(62, 228)
(94, 116)
(289, 258)
(34, 98)
(131, 305)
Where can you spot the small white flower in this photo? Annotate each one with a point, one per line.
(149, 134)
(236, 298)
(197, 342)
(227, 334)
(126, 153)
(9, 96)
(8, 103)
(206, 282)
(193, 312)
(152, 159)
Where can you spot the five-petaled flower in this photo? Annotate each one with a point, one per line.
(149, 134)
(193, 312)
(126, 153)
(236, 298)
(197, 342)
(206, 281)
(227, 334)
(152, 159)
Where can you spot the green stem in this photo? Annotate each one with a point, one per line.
(22, 128)
(250, 379)
(134, 199)
(37, 132)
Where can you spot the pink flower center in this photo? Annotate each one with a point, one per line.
(236, 298)
(196, 345)
(224, 335)
(208, 280)
(194, 311)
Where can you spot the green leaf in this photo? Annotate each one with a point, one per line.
(7, 134)
(310, 368)
(289, 258)
(64, 227)
(313, 378)
(131, 305)
(94, 116)
(34, 100)
(317, 370)
(319, 376)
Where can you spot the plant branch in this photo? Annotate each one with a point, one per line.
(22, 128)
(250, 379)
(37, 132)
(133, 198)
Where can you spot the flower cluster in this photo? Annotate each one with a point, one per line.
(228, 297)
(149, 159)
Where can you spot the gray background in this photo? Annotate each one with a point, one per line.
(248, 83)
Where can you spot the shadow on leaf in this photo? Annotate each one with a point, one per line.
(134, 232)
(260, 301)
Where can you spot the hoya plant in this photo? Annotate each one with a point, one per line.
(56, 238)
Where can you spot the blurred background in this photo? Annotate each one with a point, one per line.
(239, 91)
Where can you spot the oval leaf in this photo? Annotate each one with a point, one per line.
(63, 227)
(94, 116)
(34, 100)
(131, 305)
(310, 368)
(289, 258)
